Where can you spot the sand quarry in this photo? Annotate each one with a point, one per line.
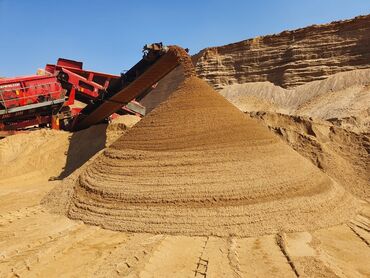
(197, 188)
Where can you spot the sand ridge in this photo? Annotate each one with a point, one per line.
(196, 165)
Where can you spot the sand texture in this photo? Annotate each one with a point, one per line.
(342, 154)
(197, 165)
(343, 98)
(52, 154)
(36, 243)
(290, 58)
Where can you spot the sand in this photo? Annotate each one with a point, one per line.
(52, 154)
(341, 153)
(196, 165)
(342, 98)
(36, 243)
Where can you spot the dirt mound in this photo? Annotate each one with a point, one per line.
(56, 154)
(196, 165)
(342, 154)
(41, 151)
(184, 60)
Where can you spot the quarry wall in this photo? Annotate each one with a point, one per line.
(289, 58)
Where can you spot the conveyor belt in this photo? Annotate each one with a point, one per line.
(136, 82)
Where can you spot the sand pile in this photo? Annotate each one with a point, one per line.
(196, 165)
(41, 152)
(54, 154)
(342, 154)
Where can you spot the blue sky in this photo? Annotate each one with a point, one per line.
(108, 35)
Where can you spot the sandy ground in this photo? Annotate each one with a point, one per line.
(35, 243)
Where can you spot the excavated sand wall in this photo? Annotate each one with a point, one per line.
(289, 58)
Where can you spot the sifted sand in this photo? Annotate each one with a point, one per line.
(197, 165)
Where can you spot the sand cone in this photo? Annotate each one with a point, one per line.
(196, 165)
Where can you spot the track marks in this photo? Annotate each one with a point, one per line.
(233, 256)
(86, 250)
(215, 259)
(14, 215)
(128, 258)
(65, 247)
(30, 243)
(261, 257)
(202, 264)
(176, 256)
(282, 245)
(343, 251)
(298, 249)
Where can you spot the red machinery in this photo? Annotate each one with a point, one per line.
(29, 100)
(49, 99)
(87, 86)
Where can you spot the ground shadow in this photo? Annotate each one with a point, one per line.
(82, 146)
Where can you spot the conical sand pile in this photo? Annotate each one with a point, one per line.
(196, 165)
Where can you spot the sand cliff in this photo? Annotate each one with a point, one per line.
(289, 58)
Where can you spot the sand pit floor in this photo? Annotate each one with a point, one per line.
(35, 243)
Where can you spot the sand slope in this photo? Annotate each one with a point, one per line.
(342, 154)
(341, 96)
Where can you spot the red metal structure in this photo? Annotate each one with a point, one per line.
(87, 86)
(48, 99)
(82, 84)
(29, 100)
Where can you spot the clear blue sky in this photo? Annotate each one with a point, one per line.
(108, 35)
